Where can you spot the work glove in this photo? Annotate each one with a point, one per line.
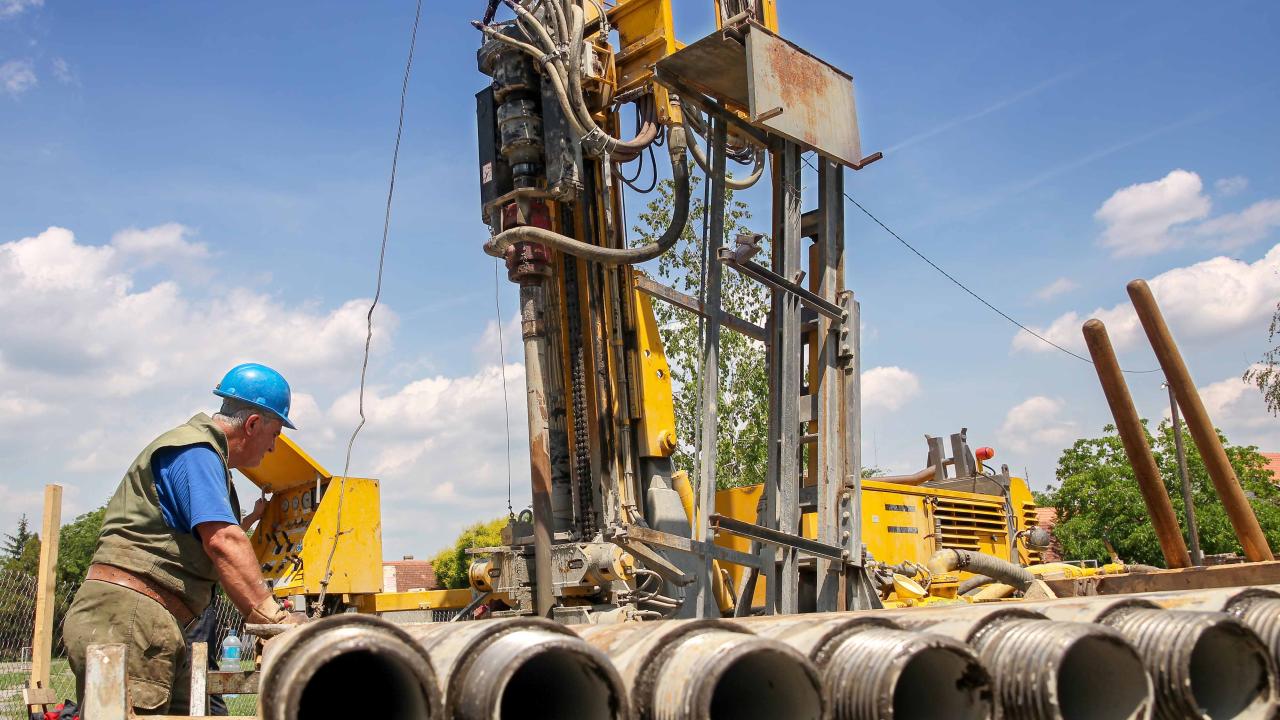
(269, 612)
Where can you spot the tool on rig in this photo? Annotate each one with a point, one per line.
(298, 530)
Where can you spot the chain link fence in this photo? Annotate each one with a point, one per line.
(17, 625)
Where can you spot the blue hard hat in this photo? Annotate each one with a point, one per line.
(260, 386)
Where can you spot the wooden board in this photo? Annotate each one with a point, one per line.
(1196, 578)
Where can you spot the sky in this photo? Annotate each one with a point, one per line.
(186, 186)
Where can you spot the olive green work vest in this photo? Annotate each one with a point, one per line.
(134, 535)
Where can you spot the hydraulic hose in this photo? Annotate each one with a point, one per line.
(950, 560)
(700, 158)
(615, 256)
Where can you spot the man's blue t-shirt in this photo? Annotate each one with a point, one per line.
(192, 485)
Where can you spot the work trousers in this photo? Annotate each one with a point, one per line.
(157, 662)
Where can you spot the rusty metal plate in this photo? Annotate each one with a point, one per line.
(801, 97)
(785, 90)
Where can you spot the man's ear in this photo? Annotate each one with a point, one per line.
(252, 424)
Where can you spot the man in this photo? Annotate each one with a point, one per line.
(171, 531)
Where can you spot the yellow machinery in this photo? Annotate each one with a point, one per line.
(295, 539)
(906, 520)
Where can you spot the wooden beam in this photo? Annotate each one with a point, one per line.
(47, 587)
(1194, 578)
(199, 678)
(106, 696)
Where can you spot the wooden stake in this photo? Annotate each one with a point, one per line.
(42, 641)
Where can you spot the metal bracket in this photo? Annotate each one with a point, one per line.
(769, 536)
(626, 537)
(764, 275)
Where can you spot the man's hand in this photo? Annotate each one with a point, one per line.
(259, 507)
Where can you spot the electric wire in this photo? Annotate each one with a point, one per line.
(502, 363)
(377, 295)
(965, 288)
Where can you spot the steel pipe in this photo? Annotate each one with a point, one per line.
(1045, 670)
(1134, 437)
(336, 666)
(682, 670)
(873, 670)
(527, 668)
(1198, 423)
(1203, 665)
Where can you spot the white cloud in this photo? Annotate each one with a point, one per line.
(1237, 230)
(1237, 408)
(888, 388)
(17, 76)
(1138, 219)
(1057, 287)
(13, 8)
(1209, 299)
(112, 361)
(1037, 424)
(1229, 186)
(62, 71)
(160, 244)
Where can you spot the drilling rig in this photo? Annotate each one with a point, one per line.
(634, 591)
(606, 493)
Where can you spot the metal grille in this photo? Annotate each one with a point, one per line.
(961, 524)
(1029, 520)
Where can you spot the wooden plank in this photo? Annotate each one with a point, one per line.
(232, 683)
(46, 588)
(39, 696)
(1194, 578)
(106, 695)
(199, 683)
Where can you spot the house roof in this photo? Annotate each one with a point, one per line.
(1273, 464)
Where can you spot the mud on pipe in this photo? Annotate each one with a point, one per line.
(709, 669)
(526, 668)
(332, 667)
(874, 670)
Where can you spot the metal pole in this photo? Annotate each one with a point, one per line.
(1201, 427)
(1193, 531)
(533, 330)
(1135, 445)
(707, 606)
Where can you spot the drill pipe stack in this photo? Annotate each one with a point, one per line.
(1192, 654)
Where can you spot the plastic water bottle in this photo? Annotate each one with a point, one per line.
(229, 658)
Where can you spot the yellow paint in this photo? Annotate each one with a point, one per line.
(657, 425)
(288, 466)
(310, 533)
(415, 600)
(646, 34)
(903, 522)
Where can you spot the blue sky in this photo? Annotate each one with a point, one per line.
(215, 177)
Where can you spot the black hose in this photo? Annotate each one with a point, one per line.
(949, 560)
(615, 256)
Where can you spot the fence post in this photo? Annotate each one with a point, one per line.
(46, 589)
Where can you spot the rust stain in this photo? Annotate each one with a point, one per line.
(797, 82)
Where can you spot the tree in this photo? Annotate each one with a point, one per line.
(451, 564)
(76, 542)
(744, 384)
(1098, 498)
(14, 544)
(1266, 374)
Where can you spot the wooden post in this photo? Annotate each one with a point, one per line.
(199, 679)
(106, 694)
(1234, 501)
(47, 588)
